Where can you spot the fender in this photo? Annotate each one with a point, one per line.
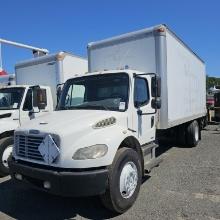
(132, 142)
(112, 136)
(7, 128)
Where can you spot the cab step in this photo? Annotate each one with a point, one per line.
(150, 160)
(152, 163)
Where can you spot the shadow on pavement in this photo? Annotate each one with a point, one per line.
(165, 146)
(169, 142)
(20, 202)
(23, 203)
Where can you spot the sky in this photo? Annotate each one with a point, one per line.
(69, 25)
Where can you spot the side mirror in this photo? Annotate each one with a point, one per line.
(156, 86)
(156, 103)
(40, 98)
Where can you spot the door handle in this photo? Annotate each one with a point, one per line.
(152, 121)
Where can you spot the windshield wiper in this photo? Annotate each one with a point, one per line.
(85, 106)
(92, 106)
(100, 105)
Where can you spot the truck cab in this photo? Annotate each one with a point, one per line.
(102, 138)
(18, 105)
(37, 79)
(74, 151)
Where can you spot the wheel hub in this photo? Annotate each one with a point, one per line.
(6, 154)
(196, 133)
(128, 180)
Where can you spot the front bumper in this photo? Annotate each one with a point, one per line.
(65, 183)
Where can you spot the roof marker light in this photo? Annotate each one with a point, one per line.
(161, 29)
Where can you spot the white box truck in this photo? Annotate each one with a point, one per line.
(103, 138)
(36, 81)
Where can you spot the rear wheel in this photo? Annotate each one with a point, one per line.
(124, 181)
(6, 147)
(192, 134)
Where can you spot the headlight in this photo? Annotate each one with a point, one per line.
(105, 122)
(92, 152)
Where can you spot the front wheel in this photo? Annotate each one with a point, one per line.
(6, 147)
(124, 183)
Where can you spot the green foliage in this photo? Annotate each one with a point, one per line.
(212, 81)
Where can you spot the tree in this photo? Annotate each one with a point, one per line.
(212, 81)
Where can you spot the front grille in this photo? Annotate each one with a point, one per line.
(27, 146)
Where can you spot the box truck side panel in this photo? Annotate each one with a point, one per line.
(182, 72)
(136, 53)
(73, 65)
(39, 74)
(185, 83)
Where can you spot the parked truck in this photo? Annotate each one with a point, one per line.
(217, 106)
(103, 136)
(7, 80)
(36, 82)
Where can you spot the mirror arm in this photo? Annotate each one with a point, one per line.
(144, 74)
(139, 112)
(33, 112)
(151, 113)
(59, 84)
(34, 87)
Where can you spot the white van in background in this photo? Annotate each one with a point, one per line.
(38, 81)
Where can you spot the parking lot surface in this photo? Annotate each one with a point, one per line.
(185, 186)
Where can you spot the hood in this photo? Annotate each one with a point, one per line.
(63, 122)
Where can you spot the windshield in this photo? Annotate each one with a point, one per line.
(106, 92)
(10, 98)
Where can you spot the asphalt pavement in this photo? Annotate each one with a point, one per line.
(185, 186)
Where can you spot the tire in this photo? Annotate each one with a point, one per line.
(115, 198)
(5, 153)
(181, 135)
(205, 122)
(192, 134)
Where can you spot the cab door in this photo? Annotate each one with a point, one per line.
(27, 109)
(144, 115)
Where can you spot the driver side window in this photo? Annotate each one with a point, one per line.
(141, 92)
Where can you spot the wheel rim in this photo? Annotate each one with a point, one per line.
(6, 154)
(196, 133)
(128, 180)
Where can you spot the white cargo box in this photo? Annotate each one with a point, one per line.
(158, 50)
(50, 70)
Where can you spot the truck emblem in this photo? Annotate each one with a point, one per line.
(32, 131)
